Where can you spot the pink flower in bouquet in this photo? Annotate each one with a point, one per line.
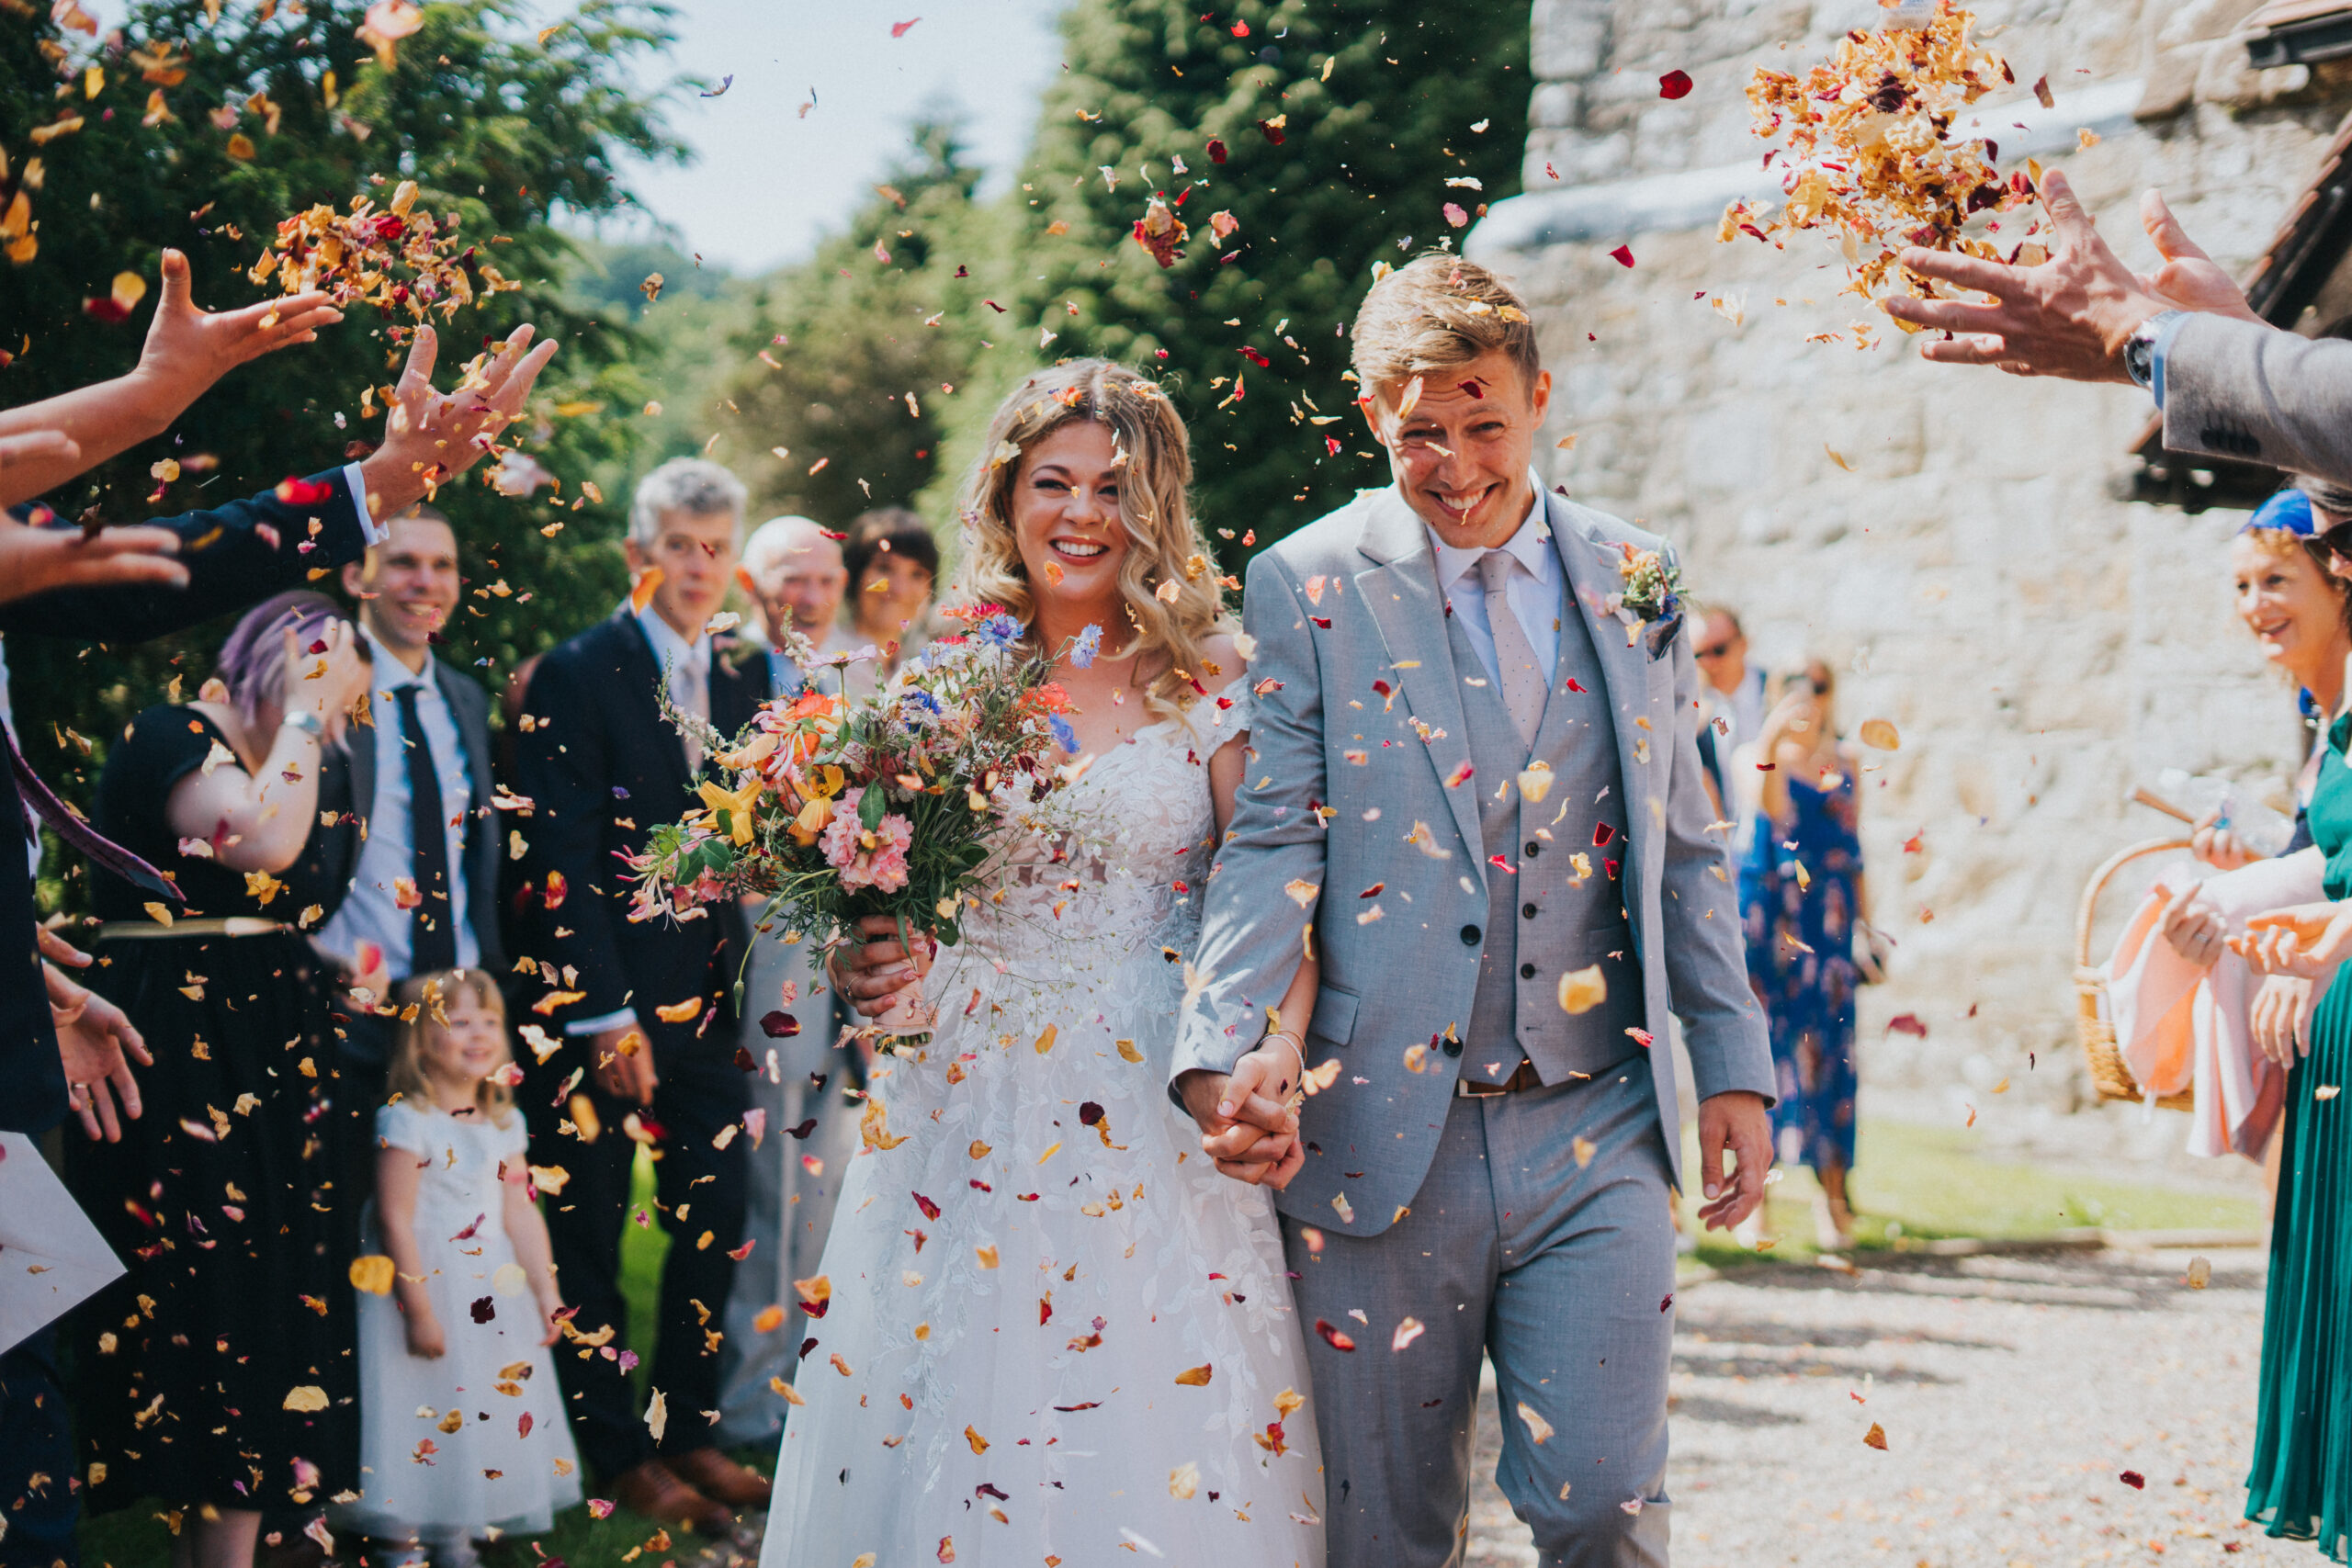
(876, 859)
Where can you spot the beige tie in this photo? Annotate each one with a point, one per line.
(690, 689)
(1522, 677)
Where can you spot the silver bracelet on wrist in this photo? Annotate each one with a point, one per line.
(309, 724)
(1297, 1048)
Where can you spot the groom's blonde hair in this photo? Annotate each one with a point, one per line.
(1439, 313)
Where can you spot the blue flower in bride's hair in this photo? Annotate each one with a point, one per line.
(1064, 735)
(1085, 646)
(998, 631)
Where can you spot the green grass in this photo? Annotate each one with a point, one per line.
(1913, 1182)
(1910, 1183)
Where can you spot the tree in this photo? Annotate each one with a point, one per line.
(851, 359)
(254, 116)
(1335, 132)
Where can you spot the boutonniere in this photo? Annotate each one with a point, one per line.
(1651, 599)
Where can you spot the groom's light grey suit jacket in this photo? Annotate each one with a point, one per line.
(1346, 787)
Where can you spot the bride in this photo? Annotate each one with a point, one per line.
(1055, 1330)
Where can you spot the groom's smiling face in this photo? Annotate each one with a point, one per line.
(1460, 455)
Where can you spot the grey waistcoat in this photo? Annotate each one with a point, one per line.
(1549, 918)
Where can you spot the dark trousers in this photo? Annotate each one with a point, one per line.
(37, 1467)
(361, 1054)
(699, 1193)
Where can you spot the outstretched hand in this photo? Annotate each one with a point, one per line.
(2071, 316)
(431, 437)
(188, 348)
(1735, 1123)
(2189, 279)
(34, 560)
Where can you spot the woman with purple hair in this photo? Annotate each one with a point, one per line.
(217, 1374)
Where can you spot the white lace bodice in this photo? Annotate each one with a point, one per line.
(1121, 875)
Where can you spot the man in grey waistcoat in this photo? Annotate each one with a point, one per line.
(1479, 781)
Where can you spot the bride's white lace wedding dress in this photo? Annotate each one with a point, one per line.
(1055, 1333)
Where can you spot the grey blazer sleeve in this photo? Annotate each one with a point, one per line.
(2236, 388)
(1252, 933)
(1706, 956)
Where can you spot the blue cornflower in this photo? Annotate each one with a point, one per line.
(1085, 646)
(1064, 735)
(998, 631)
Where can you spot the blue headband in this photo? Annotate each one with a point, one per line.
(2289, 510)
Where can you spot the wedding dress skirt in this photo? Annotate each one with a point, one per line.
(1055, 1332)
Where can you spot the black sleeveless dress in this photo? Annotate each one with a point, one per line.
(220, 1369)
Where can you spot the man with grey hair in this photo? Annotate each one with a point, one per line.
(793, 569)
(602, 767)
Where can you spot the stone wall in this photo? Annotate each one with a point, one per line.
(2041, 644)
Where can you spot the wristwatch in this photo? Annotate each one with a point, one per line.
(2140, 348)
(309, 724)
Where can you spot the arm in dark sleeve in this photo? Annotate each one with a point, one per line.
(560, 767)
(236, 555)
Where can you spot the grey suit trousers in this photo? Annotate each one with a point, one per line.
(1562, 1273)
(788, 1208)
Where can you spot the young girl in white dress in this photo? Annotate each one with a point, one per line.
(463, 1434)
(1055, 1333)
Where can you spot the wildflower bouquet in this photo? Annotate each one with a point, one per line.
(892, 805)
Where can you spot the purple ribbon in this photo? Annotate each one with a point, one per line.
(41, 803)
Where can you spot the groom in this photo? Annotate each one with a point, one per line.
(1479, 784)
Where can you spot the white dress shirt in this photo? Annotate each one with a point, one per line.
(1533, 593)
(686, 668)
(370, 529)
(371, 912)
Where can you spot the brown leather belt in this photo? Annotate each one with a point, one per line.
(1476, 1088)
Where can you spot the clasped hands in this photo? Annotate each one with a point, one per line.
(1249, 1118)
(2296, 950)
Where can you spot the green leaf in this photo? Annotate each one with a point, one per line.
(870, 806)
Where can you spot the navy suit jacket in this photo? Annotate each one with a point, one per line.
(231, 563)
(602, 768)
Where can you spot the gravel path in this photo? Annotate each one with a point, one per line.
(2014, 1391)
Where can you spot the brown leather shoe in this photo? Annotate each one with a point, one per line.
(649, 1489)
(713, 1474)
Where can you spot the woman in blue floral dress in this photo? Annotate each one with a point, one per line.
(1801, 896)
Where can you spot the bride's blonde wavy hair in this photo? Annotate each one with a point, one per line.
(1164, 542)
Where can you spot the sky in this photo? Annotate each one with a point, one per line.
(768, 181)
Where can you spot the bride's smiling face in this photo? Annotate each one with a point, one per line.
(1066, 513)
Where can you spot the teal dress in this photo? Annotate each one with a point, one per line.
(2300, 1482)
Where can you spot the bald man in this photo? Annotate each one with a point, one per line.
(793, 570)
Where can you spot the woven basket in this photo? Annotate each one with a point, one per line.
(2109, 1073)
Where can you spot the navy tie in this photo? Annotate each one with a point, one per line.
(432, 940)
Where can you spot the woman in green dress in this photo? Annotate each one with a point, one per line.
(2300, 1484)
